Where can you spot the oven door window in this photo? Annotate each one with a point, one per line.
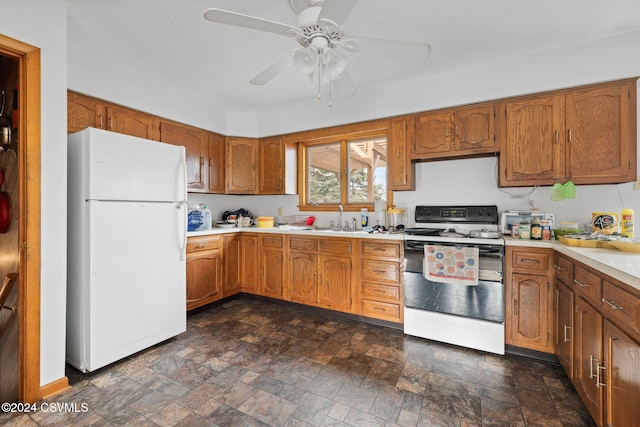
(484, 301)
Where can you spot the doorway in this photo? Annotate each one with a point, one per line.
(22, 161)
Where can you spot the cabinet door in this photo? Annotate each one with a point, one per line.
(241, 168)
(250, 265)
(600, 134)
(204, 271)
(303, 272)
(271, 170)
(433, 135)
(216, 163)
(129, 122)
(84, 111)
(474, 130)
(564, 326)
(232, 257)
(195, 143)
(272, 275)
(529, 300)
(534, 140)
(588, 357)
(400, 168)
(622, 377)
(334, 289)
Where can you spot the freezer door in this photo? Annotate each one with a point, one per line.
(136, 278)
(123, 167)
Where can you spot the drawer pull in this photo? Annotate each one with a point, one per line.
(201, 246)
(379, 291)
(612, 304)
(579, 283)
(558, 268)
(530, 261)
(379, 271)
(379, 309)
(379, 249)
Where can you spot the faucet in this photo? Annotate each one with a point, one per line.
(340, 212)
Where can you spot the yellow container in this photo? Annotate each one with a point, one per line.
(265, 222)
(626, 225)
(604, 222)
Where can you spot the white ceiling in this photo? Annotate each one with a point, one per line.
(171, 40)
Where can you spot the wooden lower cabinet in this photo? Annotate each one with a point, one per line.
(564, 326)
(232, 257)
(529, 299)
(381, 281)
(588, 358)
(334, 287)
(271, 266)
(622, 363)
(204, 270)
(249, 267)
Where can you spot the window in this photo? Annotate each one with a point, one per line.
(350, 172)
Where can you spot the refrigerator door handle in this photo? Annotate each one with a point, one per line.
(182, 197)
(182, 207)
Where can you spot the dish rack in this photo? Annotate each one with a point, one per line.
(297, 220)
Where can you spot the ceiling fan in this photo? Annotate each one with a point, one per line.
(318, 30)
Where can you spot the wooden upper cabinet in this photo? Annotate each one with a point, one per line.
(534, 141)
(601, 136)
(433, 135)
(195, 142)
(216, 163)
(474, 130)
(463, 131)
(586, 135)
(241, 166)
(84, 111)
(400, 168)
(129, 122)
(271, 170)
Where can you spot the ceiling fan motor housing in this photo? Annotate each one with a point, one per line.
(311, 28)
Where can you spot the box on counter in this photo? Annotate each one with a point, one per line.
(604, 222)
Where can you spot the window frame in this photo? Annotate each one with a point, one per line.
(343, 139)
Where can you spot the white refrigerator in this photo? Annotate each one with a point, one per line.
(126, 268)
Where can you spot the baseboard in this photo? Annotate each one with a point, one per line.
(54, 388)
(532, 354)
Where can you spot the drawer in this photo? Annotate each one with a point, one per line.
(378, 291)
(303, 244)
(377, 249)
(335, 245)
(621, 305)
(381, 310)
(563, 268)
(530, 261)
(272, 242)
(381, 271)
(203, 243)
(587, 284)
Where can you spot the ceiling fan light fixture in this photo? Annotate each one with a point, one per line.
(304, 60)
(334, 62)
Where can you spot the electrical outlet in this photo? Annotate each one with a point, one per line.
(279, 210)
(636, 185)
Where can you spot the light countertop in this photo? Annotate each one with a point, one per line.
(624, 266)
(311, 233)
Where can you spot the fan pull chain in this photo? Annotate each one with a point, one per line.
(319, 61)
(330, 84)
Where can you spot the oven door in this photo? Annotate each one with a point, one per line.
(484, 301)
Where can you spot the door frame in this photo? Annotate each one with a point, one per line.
(29, 155)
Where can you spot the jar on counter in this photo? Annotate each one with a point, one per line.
(536, 229)
(525, 230)
(515, 231)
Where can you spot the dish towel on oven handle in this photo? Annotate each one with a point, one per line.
(451, 264)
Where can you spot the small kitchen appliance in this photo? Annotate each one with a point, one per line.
(127, 233)
(467, 310)
(509, 218)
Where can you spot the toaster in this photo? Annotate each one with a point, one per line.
(508, 218)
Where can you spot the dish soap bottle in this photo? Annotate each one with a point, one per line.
(627, 222)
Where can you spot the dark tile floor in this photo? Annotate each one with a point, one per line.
(253, 363)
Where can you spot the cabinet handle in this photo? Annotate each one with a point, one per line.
(570, 136)
(558, 268)
(379, 271)
(111, 123)
(612, 304)
(6, 307)
(599, 368)
(446, 131)
(566, 339)
(100, 126)
(591, 360)
(557, 137)
(201, 246)
(457, 126)
(579, 283)
(515, 307)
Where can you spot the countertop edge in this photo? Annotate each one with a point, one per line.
(310, 233)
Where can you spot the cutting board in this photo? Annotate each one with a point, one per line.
(586, 243)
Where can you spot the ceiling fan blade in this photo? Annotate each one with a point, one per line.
(336, 11)
(407, 51)
(239, 20)
(343, 85)
(268, 74)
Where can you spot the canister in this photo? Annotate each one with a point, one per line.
(265, 222)
(525, 230)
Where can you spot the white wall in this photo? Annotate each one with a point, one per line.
(42, 23)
